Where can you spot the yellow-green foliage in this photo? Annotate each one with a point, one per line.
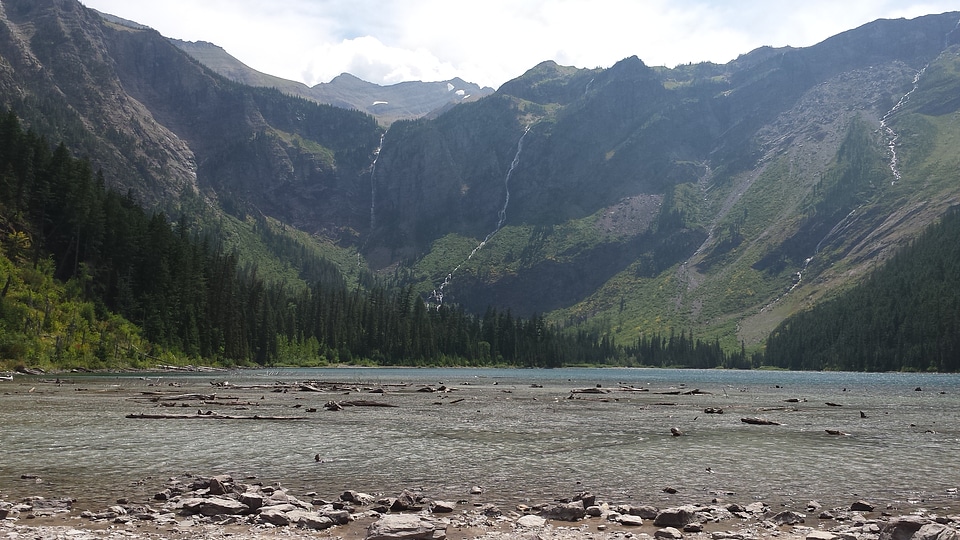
(46, 324)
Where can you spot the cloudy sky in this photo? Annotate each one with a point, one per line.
(491, 41)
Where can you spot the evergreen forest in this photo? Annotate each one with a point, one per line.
(92, 280)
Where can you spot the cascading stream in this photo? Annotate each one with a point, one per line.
(892, 135)
(373, 193)
(373, 182)
(437, 295)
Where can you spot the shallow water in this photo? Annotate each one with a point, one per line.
(516, 433)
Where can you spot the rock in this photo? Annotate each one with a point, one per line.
(588, 499)
(821, 535)
(788, 517)
(252, 499)
(215, 506)
(693, 528)
(675, 517)
(274, 516)
(645, 511)
(406, 502)
(902, 528)
(310, 520)
(573, 511)
(356, 497)
(531, 521)
(476, 490)
(862, 506)
(936, 531)
(668, 533)
(630, 520)
(490, 510)
(221, 484)
(594, 511)
(670, 490)
(442, 507)
(406, 527)
(338, 517)
(756, 508)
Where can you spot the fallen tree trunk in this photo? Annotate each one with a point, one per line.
(209, 415)
(760, 421)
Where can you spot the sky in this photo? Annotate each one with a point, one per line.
(489, 42)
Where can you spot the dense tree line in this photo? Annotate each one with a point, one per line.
(906, 315)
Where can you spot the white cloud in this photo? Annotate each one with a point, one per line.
(493, 41)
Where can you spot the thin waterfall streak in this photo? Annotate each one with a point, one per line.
(373, 196)
(437, 294)
(891, 135)
(373, 183)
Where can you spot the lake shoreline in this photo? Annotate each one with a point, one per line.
(356, 516)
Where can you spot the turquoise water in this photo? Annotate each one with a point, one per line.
(523, 435)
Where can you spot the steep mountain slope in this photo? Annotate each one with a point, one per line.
(712, 198)
(406, 100)
(652, 199)
(158, 122)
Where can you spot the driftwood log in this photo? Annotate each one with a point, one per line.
(209, 415)
(759, 421)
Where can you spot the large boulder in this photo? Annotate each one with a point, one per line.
(936, 531)
(310, 520)
(903, 527)
(675, 517)
(215, 506)
(357, 497)
(406, 527)
(573, 511)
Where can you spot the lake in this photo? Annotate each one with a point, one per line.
(523, 436)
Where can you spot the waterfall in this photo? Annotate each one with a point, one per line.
(437, 294)
(890, 134)
(373, 182)
(373, 195)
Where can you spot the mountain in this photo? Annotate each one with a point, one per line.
(406, 100)
(713, 199)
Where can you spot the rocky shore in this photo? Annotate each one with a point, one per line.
(221, 507)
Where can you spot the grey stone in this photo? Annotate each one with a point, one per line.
(406, 502)
(406, 527)
(594, 511)
(274, 516)
(252, 499)
(821, 535)
(531, 521)
(788, 517)
(215, 506)
(357, 497)
(668, 533)
(861, 506)
(936, 531)
(338, 517)
(573, 511)
(631, 520)
(442, 507)
(310, 520)
(675, 517)
(902, 528)
(645, 511)
(221, 484)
